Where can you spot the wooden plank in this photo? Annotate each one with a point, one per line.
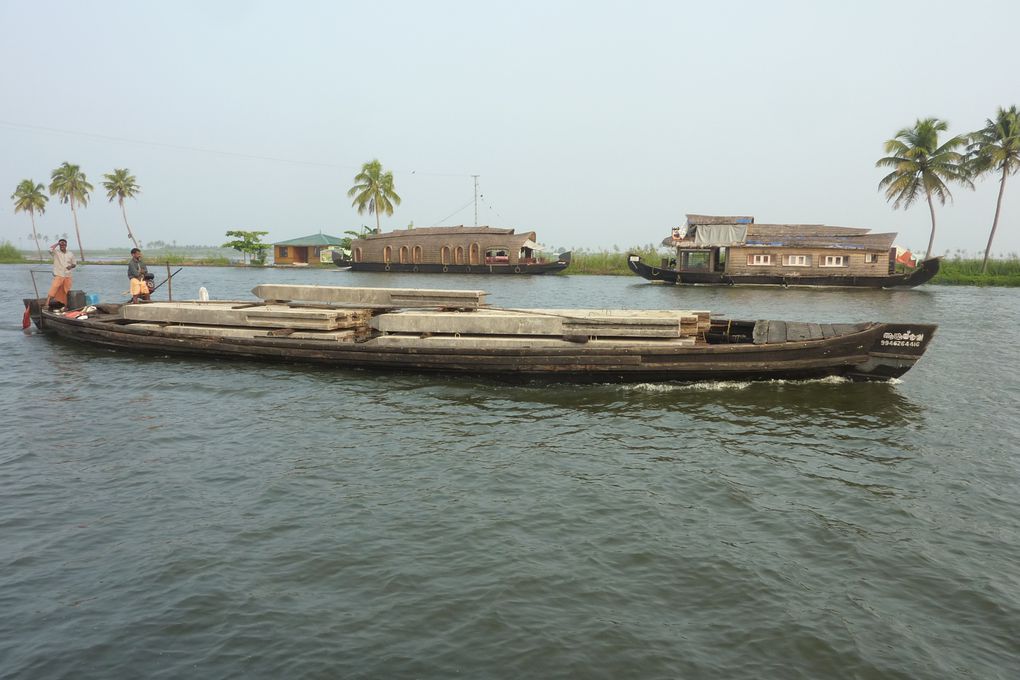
(776, 332)
(797, 331)
(814, 331)
(827, 330)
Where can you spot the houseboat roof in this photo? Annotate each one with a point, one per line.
(461, 231)
(319, 239)
(710, 231)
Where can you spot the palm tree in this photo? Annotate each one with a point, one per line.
(996, 147)
(120, 184)
(31, 198)
(373, 191)
(921, 165)
(69, 183)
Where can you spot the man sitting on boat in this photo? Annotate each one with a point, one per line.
(138, 274)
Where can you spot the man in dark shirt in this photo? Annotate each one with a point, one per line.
(137, 272)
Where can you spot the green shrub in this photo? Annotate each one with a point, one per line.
(10, 254)
(960, 272)
(609, 262)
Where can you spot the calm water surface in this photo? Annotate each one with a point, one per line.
(171, 518)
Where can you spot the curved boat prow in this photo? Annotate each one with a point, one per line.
(340, 259)
(896, 348)
(925, 272)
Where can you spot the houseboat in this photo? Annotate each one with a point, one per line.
(453, 250)
(733, 250)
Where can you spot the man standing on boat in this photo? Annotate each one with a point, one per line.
(63, 263)
(137, 273)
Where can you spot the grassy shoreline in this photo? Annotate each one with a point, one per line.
(955, 271)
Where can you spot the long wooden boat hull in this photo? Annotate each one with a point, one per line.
(859, 352)
(922, 274)
(512, 269)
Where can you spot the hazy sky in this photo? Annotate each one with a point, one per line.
(594, 123)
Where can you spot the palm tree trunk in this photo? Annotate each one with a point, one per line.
(77, 233)
(378, 229)
(130, 235)
(931, 239)
(995, 222)
(35, 234)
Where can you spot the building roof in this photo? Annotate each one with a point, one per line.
(709, 231)
(437, 231)
(319, 239)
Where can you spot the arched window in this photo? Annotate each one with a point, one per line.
(475, 254)
(444, 255)
(357, 254)
(416, 255)
(458, 255)
(403, 254)
(387, 254)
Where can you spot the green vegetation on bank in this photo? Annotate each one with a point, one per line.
(9, 254)
(960, 272)
(608, 262)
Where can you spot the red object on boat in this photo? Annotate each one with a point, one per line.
(905, 257)
(26, 321)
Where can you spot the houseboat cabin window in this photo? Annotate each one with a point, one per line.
(497, 256)
(444, 255)
(695, 260)
(458, 255)
(416, 255)
(283, 251)
(871, 258)
(357, 254)
(797, 260)
(475, 254)
(759, 260)
(836, 261)
(403, 254)
(387, 254)
(315, 251)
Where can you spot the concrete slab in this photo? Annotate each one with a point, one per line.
(384, 297)
(263, 316)
(481, 342)
(235, 332)
(540, 322)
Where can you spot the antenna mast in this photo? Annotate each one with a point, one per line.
(476, 199)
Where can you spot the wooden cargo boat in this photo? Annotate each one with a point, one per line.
(714, 250)
(455, 332)
(452, 250)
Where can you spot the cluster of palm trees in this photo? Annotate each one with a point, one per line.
(922, 166)
(71, 186)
